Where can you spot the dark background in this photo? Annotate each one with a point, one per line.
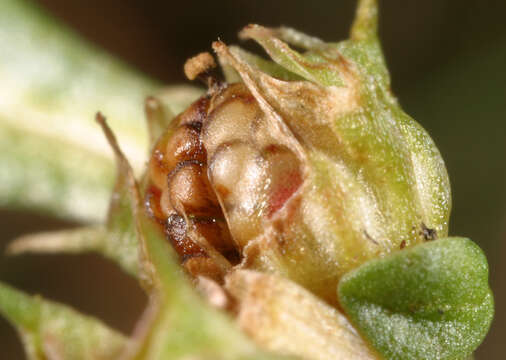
(448, 65)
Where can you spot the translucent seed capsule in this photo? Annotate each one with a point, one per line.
(238, 175)
(184, 145)
(165, 204)
(232, 118)
(190, 192)
(285, 176)
(152, 204)
(196, 113)
(158, 168)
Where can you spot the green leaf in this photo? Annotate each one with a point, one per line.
(431, 301)
(53, 157)
(54, 331)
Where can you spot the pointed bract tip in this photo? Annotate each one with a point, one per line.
(218, 46)
(151, 103)
(99, 117)
(224, 53)
(365, 25)
(121, 160)
(254, 30)
(109, 135)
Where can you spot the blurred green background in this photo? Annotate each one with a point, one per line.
(448, 65)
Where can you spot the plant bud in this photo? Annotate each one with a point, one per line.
(310, 160)
(319, 170)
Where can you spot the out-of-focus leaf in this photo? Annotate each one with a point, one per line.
(51, 175)
(284, 317)
(52, 155)
(116, 239)
(69, 241)
(53, 331)
(431, 301)
(118, 244)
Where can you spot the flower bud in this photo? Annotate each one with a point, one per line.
(308, 158)
(314, 163)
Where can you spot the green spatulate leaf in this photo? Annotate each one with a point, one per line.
(54, 331)
(431, 301)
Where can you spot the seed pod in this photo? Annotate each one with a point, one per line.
(180, 198)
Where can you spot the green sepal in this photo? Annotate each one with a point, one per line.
(431, 301)
(54, 331)
(264, 65)
(312, 65)
(365, 25)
